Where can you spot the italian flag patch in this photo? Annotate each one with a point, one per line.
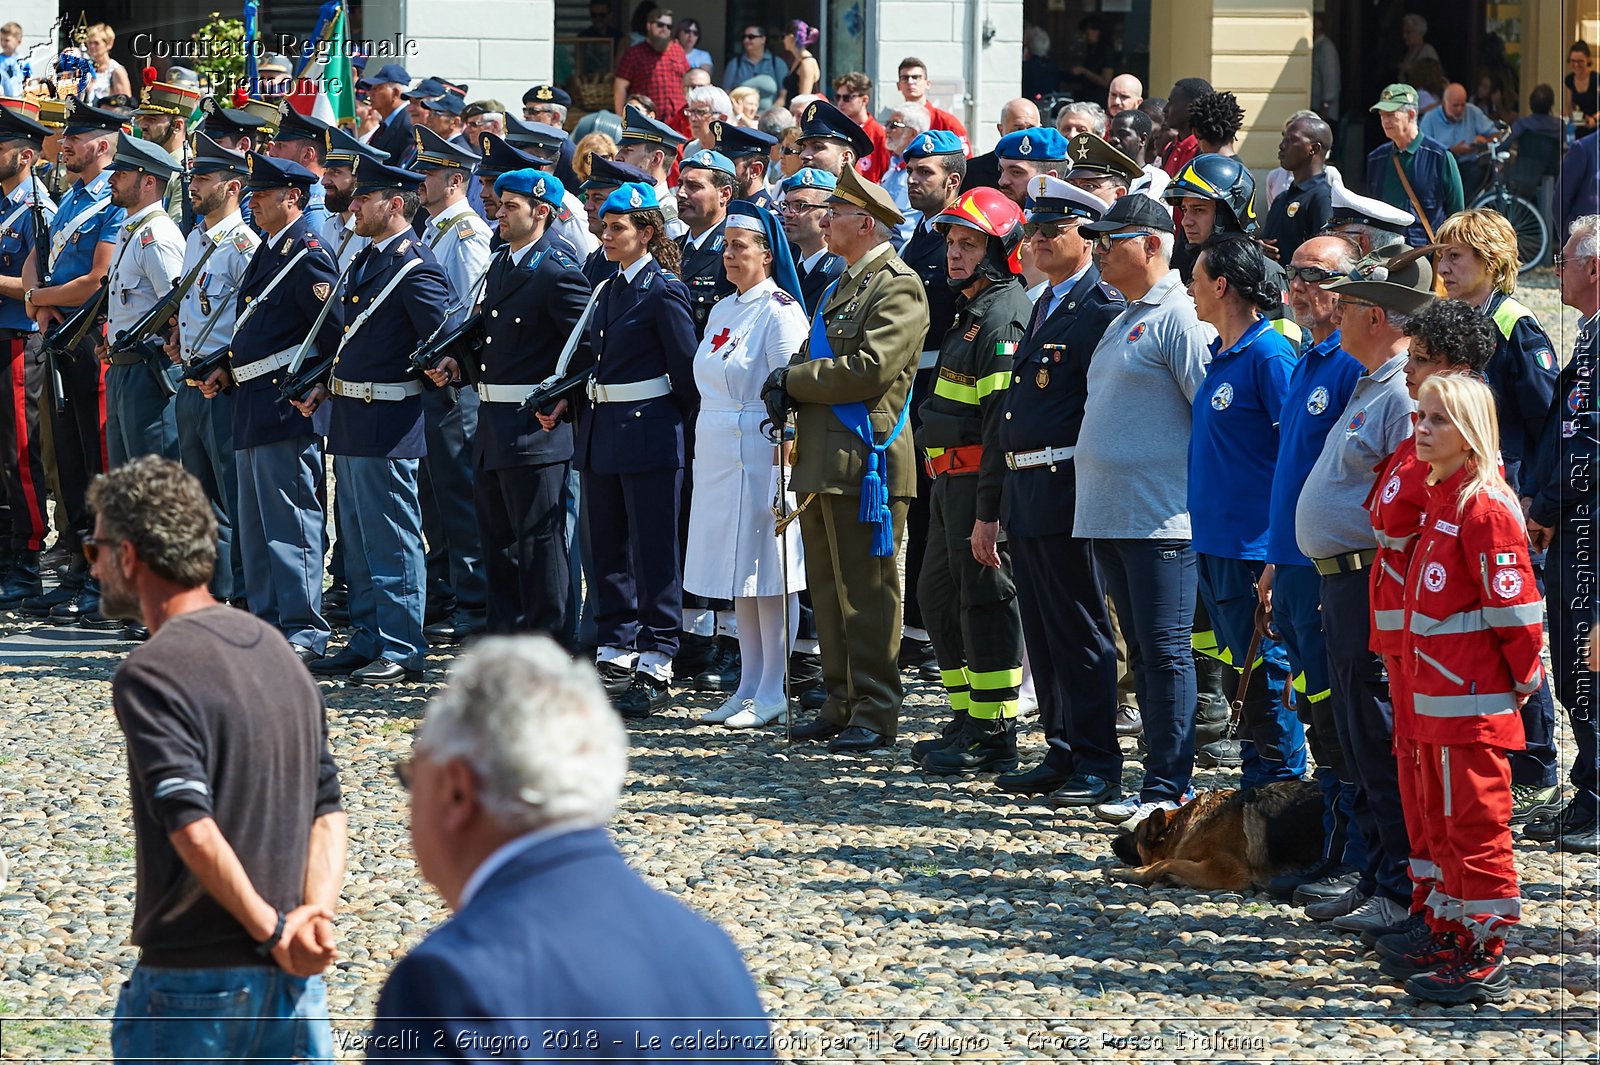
(1545, 360)
(1505, 560)
(1005, 347)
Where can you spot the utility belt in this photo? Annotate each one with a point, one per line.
(383, 391)
(127, 358)
(1044, 456)
(1351, 562)
(631, 392)
(953, 460)
(261, 367)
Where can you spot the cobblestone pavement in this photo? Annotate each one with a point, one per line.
(885, 915)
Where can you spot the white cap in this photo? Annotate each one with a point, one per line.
(1366, 210)
(1050, 195)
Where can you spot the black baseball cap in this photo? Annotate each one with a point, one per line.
(1132, 210)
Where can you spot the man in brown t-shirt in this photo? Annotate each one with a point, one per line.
(237, 817)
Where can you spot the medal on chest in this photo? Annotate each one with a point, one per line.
(1042, 378)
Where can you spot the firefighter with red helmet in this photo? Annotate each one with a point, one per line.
(968, 598)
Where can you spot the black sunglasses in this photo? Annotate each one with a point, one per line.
(1312, 275)
(755, 36)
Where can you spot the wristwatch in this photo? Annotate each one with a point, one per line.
(27, 298)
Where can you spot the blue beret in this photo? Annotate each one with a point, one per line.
(810, 178)
(534, 184)
(634, 196)
(933, 142)
(706, 159)
(1040, 144)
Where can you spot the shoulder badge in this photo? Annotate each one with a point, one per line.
(972, 334)
(403, 247)
(464, 230)
(147, 238)
(1545, 360)
(780, 296)
(321, 291)
(311, 242)
(241, 239)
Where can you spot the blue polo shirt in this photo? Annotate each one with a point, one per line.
(79, 243)
(1318, 391)
(1233, 446)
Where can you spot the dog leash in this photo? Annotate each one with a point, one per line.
(1245, 672)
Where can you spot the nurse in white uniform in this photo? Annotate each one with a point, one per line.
(733, 551)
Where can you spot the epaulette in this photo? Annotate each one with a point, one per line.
(1112, 293)
(147, 238)
(558, 253)
(312, 242)
(241, 238)
(464, 230)
(895, 264)
(669, 275)
(780, 296)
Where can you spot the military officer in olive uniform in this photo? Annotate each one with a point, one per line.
(396, 296)
(459, 240)
(205, 324)
(277, 453)
(751, 152)
(852, 383)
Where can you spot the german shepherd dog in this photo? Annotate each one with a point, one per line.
(1226, 840)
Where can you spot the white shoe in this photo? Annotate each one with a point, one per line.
(732, 706)
(754, 715)
(1130, 811)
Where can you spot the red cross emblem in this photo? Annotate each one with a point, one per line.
(719, 340)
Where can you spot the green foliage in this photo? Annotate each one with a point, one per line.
(220, 51)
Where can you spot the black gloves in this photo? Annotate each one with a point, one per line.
(776, 397)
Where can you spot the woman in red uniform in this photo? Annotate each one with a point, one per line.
(1474, 631)
(1449, 337)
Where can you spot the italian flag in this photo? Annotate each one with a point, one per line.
(325, 87)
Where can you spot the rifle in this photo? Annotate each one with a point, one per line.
(66, 337)
(198, 371)
(553, 389)
(301, 377)
(41, 250)
(432, 350)
(141, 333)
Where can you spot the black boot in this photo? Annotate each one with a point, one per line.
(39, 606)
(695, 655)
(805, 674)
(986, 745)
(22, 582)
(722, 675)
(1212, 705)
(947, 735)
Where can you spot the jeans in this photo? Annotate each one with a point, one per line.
(221, 1015)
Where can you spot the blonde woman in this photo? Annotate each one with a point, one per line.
(1474, 632)
(593, 144)
(746, 106)
(110, 76)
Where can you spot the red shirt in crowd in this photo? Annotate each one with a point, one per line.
(874, 166)
(938, 118)
(658, 75)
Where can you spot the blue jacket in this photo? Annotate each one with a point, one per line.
(566, 947)
(703, 273)
(1039, 501)
(1580, 183)
(1522, 372)
(380, 350)
(528, 311)
(639, 331)
(16, 241)
(596, 268)
(260, 413)
(815, 282)
(1563, 480)
(1427, 181)
(1320, 386)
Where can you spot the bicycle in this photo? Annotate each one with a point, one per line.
(1497, 193)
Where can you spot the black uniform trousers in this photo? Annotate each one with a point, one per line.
(1570, 581)
(917, 514)
(445, 492)
(79, 434)
(970, 609)
(1535, 764)
(522, 522)
(1063, 606)
(1364, 718)
(19, 439)
(633, 541)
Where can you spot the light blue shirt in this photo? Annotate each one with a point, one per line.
(894, 183)
(214, 290)
(1056, 293)
(11, 75)
(459, 239)
(148, 256)
(1474, 123)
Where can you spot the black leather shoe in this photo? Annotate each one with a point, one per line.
(1584, 839)
(83, 610)
(305, 654)
(644, 697)
(22, 580)
(615, 676)
(1285, 885)
(383, 671)
(457, 627)
(722, 675)
(915, 654)
(134, 633)
(814, 698)
(437, 607)
(39, 606)
(1040, 780)
(339, 665)
(817, 729)
(1085, 789)
(856, 739)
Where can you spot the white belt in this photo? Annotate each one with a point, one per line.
(261, 367)
(632, 392)
(927, 360)
(503, 393)
(1044, 456)
(721, 406)
(371, 390)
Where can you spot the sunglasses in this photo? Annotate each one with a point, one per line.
(894, 125)
(663, 24)
(755, 36)
(1311, 275)
(790, 151)
(797, 207)
(1047, 230)
(850, 96)
(1103, 242)
(92, 548)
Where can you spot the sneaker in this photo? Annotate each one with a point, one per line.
(1479, 975)
(1529, 802)
(1329, 887)
(1130, 811)
(1327, 909)
(1376, 912)
(1429, 952)
(1414, 929)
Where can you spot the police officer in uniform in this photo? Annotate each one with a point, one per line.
(968, 597)
(805, 200)
(551, 102)
(630, 449)
(830, 140)
(652, 146)
(146, 262)
(935, 166)
(396, 296)
(57, 280)
(277, 454)
(533, 299)
(21, 143)
(605, 176)
(1059, 590)
(339, 182)
(459, 240)
(751, 152)
(205, 324)
(501, 157)
(864, 342)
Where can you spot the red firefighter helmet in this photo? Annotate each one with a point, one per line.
(991, 212)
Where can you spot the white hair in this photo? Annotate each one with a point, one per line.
(536, 728)
(1165, 243)
(1587, 229)
(914, 115)
(717, 99)
(1037, 40)
(1414, 21)
(1093, 111)
(775, 120)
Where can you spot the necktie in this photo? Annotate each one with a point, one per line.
(358, 269)
(1041, 311)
